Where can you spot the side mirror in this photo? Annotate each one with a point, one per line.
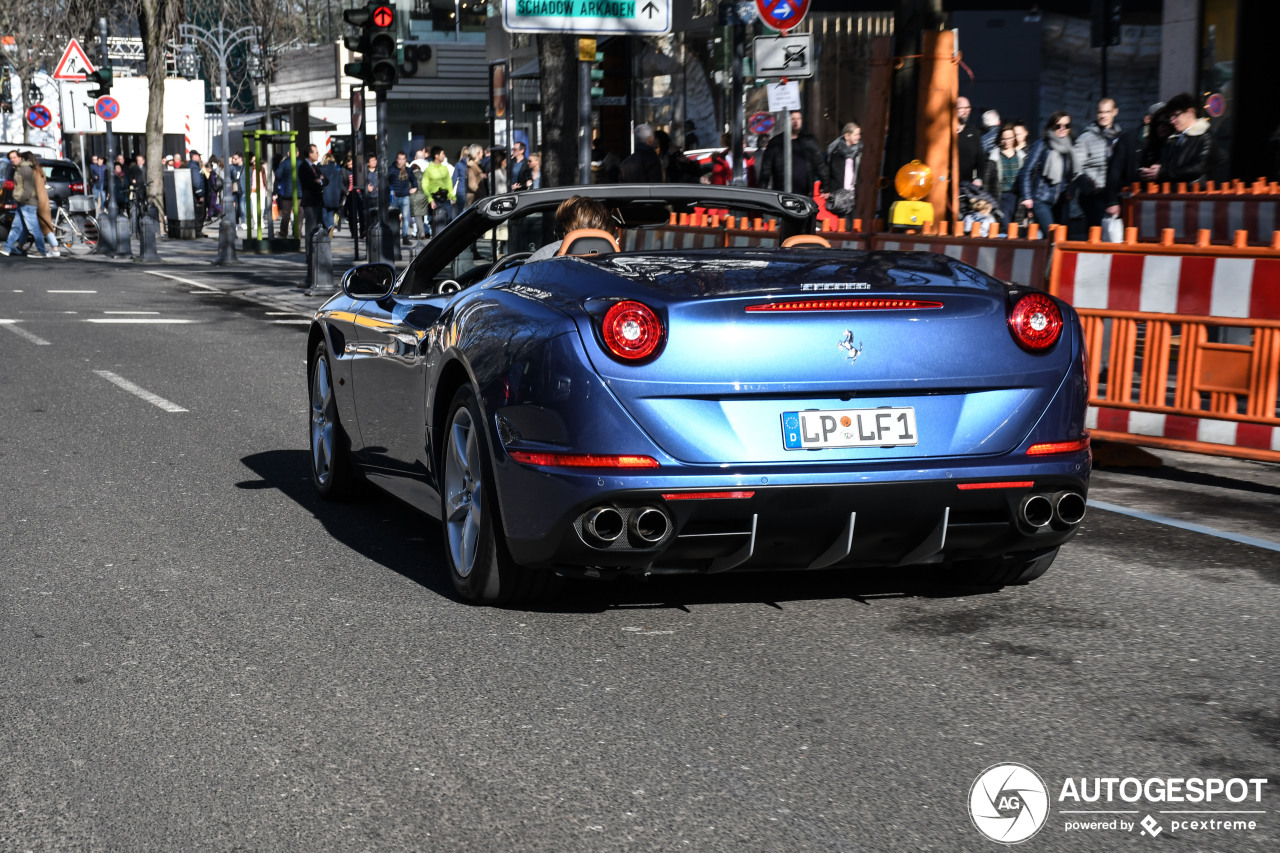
(369, 281)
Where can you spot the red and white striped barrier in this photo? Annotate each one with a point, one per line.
(1184, 428)
(1240, 287)
(1022, 261)
(1222, 216)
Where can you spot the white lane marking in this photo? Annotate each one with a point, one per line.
(155, 321)
(290, 322)
(137, 391)
(285, 314)
(184, 281)
(130, 312)
(1187, 525)
(12, 325)
(71, 291)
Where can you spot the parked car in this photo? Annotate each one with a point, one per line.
(792, 406)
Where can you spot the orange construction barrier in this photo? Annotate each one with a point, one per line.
(1009, 257)
(1221, 209)
(1191, 360)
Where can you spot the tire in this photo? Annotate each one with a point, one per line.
(1011, 569)
(480, 565)
(331, 471)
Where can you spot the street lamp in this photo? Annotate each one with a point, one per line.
(221, 41)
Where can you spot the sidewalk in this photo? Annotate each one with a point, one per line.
(275, 280)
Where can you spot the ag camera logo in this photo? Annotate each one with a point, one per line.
(1008, 803)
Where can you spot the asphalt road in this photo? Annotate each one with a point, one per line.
(196, 654)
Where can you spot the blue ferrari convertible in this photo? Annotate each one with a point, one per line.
(582, 410)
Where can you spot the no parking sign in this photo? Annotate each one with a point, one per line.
(39, 116)
(761, 123)
(107, 108)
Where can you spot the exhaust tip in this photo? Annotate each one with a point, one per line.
(649, 526)
(1069, 507)
(603, 524)
(1035, 511)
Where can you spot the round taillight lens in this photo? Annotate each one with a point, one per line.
(631, 331)
(1036, 322)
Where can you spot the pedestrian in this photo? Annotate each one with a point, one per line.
(807, 163)
(98, 170)
(419, 202)
(519, 167)
(642, 166)
(235, 174)
(981, 214)
(1092, 154)
(678, 168)
(437, 188)
(333, 192)
(1022, 132)
(990, 131)
(213, 186)
(1003, 167)
(972, 160)
(1048, 172)
(43, 213)
(844, 159)
(535, 172)
(460, 167)
(285, 175)
(355, 197)
(475, 175)
(310, 192)
(198, 186)
(400, 180)
(1189, 153)
(26, 219)
(1125, 166)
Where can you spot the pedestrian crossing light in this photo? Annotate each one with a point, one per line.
(375, 60)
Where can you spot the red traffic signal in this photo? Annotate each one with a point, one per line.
(383, 16)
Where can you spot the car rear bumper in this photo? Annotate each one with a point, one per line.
(786, 519)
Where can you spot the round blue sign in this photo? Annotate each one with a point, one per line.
(782, 15)
(107, 108)
(761, 123)
(39, 116)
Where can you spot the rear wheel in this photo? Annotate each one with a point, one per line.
(1001, 571)
(479, 564)
(331, 470)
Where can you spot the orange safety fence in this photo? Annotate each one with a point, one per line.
(1223, 210)
(1182, 341)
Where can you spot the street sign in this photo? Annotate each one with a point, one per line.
(1215, 106)
(784, 56)
(107, 108)
(77, 109)
(783, 96)
(74, 65)
(39, 116)
(761, 124)
(637, 17)
(782, 14)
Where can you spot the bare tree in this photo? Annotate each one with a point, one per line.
(557, 61)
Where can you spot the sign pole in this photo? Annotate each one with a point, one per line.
(585, 47)
(107, 224)
(786, 148)
(739, 103)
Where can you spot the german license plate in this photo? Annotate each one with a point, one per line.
(886, 427)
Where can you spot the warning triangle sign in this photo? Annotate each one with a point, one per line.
(74, 65)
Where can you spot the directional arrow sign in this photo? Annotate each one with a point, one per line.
(784, 56)
(638, 17)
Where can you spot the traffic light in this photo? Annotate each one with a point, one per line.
(1104, 26)
(102, 79)
(377, 64)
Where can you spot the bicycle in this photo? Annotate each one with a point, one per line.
(76, 237)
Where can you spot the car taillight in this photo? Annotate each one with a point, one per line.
(76, 187)
(631, 331)
(845, 305)
(1035, 322)
(581, 460)
(1050, 448)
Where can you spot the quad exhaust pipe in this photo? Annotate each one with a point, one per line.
(1035, 511)
(645, 526)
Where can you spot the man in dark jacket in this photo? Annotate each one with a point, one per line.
(197, 186)
(1187, 155)
(642, 166)
(285, 174)
(310, 191)
(808, 164)
(1124, 167)
(972, 159)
